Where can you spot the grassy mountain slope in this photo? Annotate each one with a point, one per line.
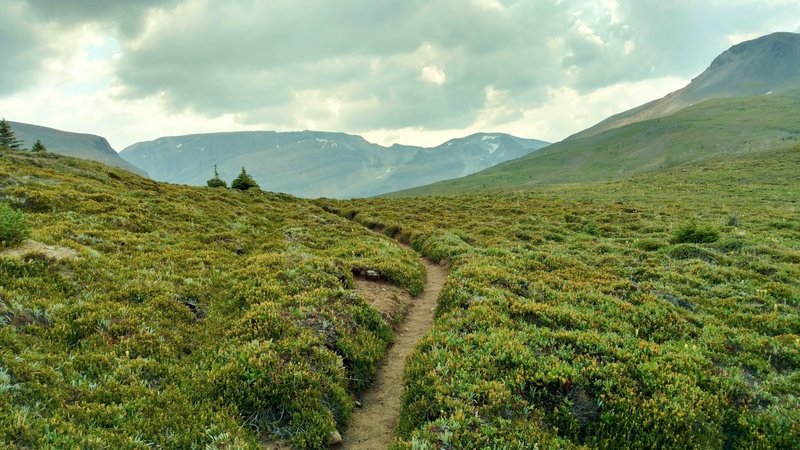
(79, 145)
(190, 318)
(319, 164)
(661, 311)
(767, 64)
(716, 127)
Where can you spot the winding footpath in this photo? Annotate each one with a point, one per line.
(372, 426)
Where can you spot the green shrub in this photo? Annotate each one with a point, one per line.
(38, 147)
(244, 181)
(692, 233)
(13, 226)
(731, 244)
(292, 387)
(217, 181)
(649, 245)
(591, 229)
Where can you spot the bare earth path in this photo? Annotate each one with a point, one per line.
(372, 426)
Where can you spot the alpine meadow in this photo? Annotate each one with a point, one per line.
(633, 285)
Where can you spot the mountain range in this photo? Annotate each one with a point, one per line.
(748, 100)
(321, 164)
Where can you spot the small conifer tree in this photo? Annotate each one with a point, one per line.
(38, 147)
(13, 226)
(244, 181)
(216, 181)
(7, 137)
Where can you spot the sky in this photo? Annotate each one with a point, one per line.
(416, 72)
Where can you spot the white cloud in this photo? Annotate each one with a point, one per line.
(122, 122)
(734, 39)
(630, 46)
(492, 5)
(613, 10)
(433, 75)
(588, 32)
(566, 111)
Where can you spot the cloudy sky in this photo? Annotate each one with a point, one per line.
(409, 71)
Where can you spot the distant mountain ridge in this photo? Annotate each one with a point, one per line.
(769, 64)
(321, 164)
(747, 101)
(79, 145)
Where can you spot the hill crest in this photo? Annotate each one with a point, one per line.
(80, 145)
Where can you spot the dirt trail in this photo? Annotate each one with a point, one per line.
(372, 426)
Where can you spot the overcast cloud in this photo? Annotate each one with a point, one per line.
(411, 71)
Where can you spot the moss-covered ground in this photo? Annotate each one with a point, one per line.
(661, 311)
(656, 312)
(191, 317)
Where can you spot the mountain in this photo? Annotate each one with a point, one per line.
(321, 164)
(769, 64)
(79, 145)
(747, 101)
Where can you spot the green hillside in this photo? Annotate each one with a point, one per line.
(661, 311)
(172, 317)
(79, 145)
(710, 129)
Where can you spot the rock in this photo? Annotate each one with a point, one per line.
(335, 438)
(358, 404)
(372, 275)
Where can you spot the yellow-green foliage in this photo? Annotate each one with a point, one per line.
(573, 317)
(591, 316)
(188, 313)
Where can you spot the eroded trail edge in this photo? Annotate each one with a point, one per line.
(373, 425)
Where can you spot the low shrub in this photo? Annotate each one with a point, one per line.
(692, 233)
(730, 244)
(649, 245)
(13, 226)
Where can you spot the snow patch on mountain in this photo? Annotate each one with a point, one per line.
(385, 173)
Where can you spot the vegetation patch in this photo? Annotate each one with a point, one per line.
(13, 226)
(691, 232)
(578, 316)
(633, 329)
(192, 318)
